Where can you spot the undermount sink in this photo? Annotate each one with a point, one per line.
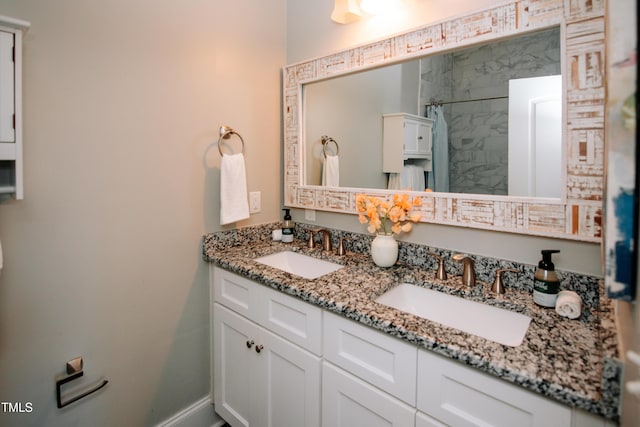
(299, 264)
(492, 323)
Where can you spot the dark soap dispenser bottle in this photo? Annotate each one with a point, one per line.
(546, 283)
(287, 227)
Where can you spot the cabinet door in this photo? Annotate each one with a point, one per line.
(411, 131)
(7, 106)
(424, 420)
(424, 139)
(233, 372)
(261, 379)
(289, 384)
(350, 402)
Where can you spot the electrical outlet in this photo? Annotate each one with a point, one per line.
(310, 214)
(254, 202)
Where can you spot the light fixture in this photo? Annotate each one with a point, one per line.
(372, 7)
(379, 7)
(346, 11)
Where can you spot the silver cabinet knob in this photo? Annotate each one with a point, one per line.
(250, 343)
(259, 348)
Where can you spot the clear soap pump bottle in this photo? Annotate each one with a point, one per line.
(546, 283)
(287, 227)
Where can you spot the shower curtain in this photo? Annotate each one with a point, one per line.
(439, 177)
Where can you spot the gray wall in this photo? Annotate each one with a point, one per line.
(350, 109)
(102, 259)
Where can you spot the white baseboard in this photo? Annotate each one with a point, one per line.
(200, 414)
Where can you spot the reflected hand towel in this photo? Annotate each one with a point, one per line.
(331, 171)
(233, 189)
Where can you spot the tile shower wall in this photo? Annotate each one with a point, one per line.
(478, 131)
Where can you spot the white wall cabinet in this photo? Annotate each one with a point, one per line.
(406, 136)
(259, 377)
(11, 153)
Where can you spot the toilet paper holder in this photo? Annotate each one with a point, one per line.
(74, 371)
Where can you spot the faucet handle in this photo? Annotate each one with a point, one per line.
(341, 250)
(498, 286)
(441, 273)
(311, 243)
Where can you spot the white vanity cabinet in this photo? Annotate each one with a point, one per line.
(259, 377)
(406, 136)
(11, 175)
(280, 361)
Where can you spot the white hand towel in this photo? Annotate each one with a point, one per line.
(331, 171)
(406, 178)
(418, 179)
(233, 189)
(394, 181)
(569, 304)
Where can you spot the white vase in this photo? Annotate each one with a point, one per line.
(384, 250)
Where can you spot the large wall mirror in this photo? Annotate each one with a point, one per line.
(514, 102)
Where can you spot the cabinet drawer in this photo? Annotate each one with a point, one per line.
(289, 317)
(377, 358)
(350, 402)
(459, 395)
(234, 292)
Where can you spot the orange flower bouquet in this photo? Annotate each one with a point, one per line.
(388, 216)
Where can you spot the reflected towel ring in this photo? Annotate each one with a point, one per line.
(225, 133)
(325, 141)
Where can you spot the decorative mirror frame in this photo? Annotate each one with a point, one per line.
(578, 215)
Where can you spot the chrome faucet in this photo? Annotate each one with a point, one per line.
(468, 272)
(326, 239)
(441, 274)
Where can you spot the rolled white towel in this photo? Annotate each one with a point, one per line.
(568, 304)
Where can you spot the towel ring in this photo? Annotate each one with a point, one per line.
(225, 133)
(325, 141)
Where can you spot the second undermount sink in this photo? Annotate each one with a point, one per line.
(492, 323)
(299, 264)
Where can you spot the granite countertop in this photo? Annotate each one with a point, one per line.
(572, 361)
